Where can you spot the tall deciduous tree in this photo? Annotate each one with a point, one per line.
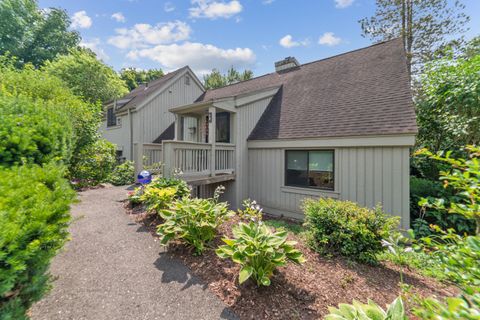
(33, 35)
(87, 76)
(425, 26)
(215, 79)
(448, 106)
(134, 77)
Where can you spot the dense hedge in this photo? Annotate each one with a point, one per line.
(38, 85)
(33, 131)
(34, 205)
(343, 227)
(93, 164)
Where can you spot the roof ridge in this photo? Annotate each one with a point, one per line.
(308, 63)
(351, 51)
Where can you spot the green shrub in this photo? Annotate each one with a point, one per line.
(193, 221)
(259, 251)
(34, 205)
(94, 164)
(343, 227)
(422, 219)
(462, 176)
(34, 132)
(358, 310)
(458, 257)
(38, 85)
(465, 307)
(123, 174)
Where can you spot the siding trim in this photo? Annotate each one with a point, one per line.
(379, 141)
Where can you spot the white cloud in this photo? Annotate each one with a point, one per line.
(94, 45)
(80, 20)
(143, 35)
(343, 3)
(268, 1)
(200, 57)
(329, 39)
(119, 17)
(288, 42)
(168, 7)
(215, 9)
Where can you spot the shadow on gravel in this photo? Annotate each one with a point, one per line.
(175, 271)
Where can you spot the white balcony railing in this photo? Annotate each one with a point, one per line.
(149, 156)
(195, 159)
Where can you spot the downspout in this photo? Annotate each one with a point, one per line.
(130, 119)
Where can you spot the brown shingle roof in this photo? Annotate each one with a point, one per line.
(142, 92)
(363, 92)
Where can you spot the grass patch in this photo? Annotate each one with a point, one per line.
(421, 262)
(292, 227)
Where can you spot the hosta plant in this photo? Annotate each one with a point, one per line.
(259, 251)
(158, 198)
(193, 221)
(368, 311)
(251, 210)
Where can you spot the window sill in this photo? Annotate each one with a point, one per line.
(310, 191)
(114, 127)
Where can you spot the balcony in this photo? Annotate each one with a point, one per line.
(193, 159)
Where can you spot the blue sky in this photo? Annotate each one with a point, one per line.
(208, 34)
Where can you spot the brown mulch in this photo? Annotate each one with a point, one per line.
(297, 292)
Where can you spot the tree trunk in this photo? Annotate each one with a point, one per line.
(410, 36)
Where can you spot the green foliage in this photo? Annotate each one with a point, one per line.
(87, 76)
(37, 85)
(292, 227)
(448, 108)
(217, 80)
(418, 260)
(182, 187)
(466, 307)
(361, 311)
(251, 210)
(458, 257)
(32, 35)
(134, 77)
(134, 197)
(259, 251)
(33, 131)
(157, 199)
(123, 174)
(193, 221)
(463, 177)
(34, 204)
(424, 26)
(95, 164)
(343, 227)
(422, 218)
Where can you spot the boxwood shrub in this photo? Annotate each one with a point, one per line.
(345, 228)
(34, 215)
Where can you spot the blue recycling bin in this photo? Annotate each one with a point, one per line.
(144, 177)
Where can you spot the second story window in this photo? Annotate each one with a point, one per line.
(187, 80)
(111, 118)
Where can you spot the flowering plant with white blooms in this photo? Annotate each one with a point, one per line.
(251, 211)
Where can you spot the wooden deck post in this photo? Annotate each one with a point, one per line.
(138, 157)
(212, 111)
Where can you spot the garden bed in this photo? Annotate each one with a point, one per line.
(297, 291)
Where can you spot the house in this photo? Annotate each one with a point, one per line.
(339, 127)
(142, 115)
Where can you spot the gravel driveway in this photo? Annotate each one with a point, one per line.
(113, 269)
